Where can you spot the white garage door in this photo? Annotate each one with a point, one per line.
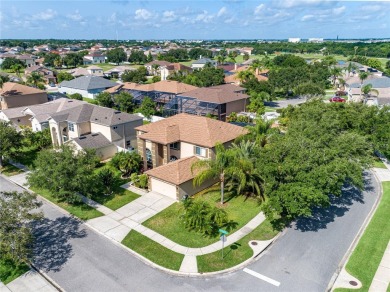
(163, 188)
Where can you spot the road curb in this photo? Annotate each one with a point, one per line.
(358, 236)
(148, 262)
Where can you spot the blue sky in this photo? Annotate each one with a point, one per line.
(158, 19)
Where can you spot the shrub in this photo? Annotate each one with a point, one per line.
(77, 96)
(143, 181)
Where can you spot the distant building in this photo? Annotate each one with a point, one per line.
(88, 86)
(294, 40)
(315, 40)
(199, 64)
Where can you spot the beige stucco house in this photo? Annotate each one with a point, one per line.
(16, 95)
(90, 126)
(169, 147)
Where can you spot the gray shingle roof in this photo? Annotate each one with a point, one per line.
(92, 141)
(88, 82)
(204, 61)
(382, 82)
(95, 114)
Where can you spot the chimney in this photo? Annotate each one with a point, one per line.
(200, 57)
(235, 66)
(257, 71)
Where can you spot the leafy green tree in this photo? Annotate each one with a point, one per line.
(195, 53)
(64, 76)
(17, 212)
(50, 58)
(256, 104)
(76, 96)
(309, 90)
(17, 68)
(137, 57)
(9, 62)
(124, 102)
(367, 90)
(127, 162)
(116, 55)
(10, 141)
(221, 167)
(208, 76)
(244, 76)
(147, 107)
(149, 58)
(73, 60)
(3, 79)
(65, 173)
(375, 63)
(105, 99)
(38, 140)
(136, 76)
(156, 79)
(245, 57)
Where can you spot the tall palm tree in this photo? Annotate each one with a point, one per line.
(221, 167)
(244, 76)
(35, 78)
(17, 68)
(355, 49)
(367, 90)
(365, 51)
(362, 76)
(259, 133)
(335, 72)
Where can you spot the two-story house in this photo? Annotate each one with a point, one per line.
(47, 74)
(88, 86)
(94, 58)
(90, 126)
(16, 95)
(170, 146)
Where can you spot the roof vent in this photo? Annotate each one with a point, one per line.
(117, 112)
(70, 100)
(96, 119)
(106, 118)
(94, 134)
(82, 137)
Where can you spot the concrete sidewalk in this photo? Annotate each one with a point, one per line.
(31, 281)
(382, 276)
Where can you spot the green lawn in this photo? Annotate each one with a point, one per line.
(81, 210)
(153, 251)
(379, 164)
(235, 253)
(367, 255)
(105, 66)
(119, 198)
(9, 170)
(9, 271)
(170, 224)
(89, 100)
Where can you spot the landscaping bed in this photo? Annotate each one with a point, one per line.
(80, 210)
(153, 251)
(169, 222)
(368, 253)
(10, 170)
(9, 271)
(237, 252)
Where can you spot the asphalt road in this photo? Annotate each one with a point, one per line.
(304, 258)
(284, 103)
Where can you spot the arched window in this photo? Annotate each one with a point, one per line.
(148, 155)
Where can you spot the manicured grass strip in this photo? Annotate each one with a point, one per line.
(170, 223)
(9, 271)
(118, 199)
(367, 255)
(235, 253)
(379, 164)
(80, 210)
(153, 251)
(10, 170)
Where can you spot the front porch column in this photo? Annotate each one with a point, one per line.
(141, 147)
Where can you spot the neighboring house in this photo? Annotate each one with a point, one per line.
(16, 95)
(199, 64)
(91, 70)
(381, 84)
(88, 86)
(94, 58)
(47, 74)
(117, 71)
(172, 145)
(246, 50)
(231, 77)
(28, 60)
(162, 92)
(150, 67)
(15, 116)
(165, 71)
(219, 101)
(93, 122)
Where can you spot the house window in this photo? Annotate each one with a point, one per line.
(148, 155)
(175, 146)
(200, 151)
(71, 127)
(172, 158)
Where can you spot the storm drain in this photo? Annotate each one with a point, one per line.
(353, 283)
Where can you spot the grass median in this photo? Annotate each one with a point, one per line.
(153, 251)
(368, 253)
(237, 252)
(9, 271)
(80, 210)
(170, 224)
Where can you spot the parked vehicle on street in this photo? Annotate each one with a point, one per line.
(337, 99)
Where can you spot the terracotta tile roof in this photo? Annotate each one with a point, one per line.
(217, 94)
(169, 86)
(10, 89)
(176, 172)
(178, 66)
(192, 129)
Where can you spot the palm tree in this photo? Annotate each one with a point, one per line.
(365, 51)
(259, 133)
(367, 90)
(220, 168)
(155, 68)
(355, 48)
(335, 72)
(58, 62)
(244, 76)
(342, 83)
(17, 69)
(35, 78)
(362, 76)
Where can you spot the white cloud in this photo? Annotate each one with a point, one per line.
(169, 16)
(45, 15)
(143, 14)
(229, 20)
(296, 3)
(221, 12)
(307, 17)
(338, 10)
(76, 16)
(259, 9)
(204, 17)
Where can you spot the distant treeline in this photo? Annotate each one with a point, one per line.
(378, 49)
